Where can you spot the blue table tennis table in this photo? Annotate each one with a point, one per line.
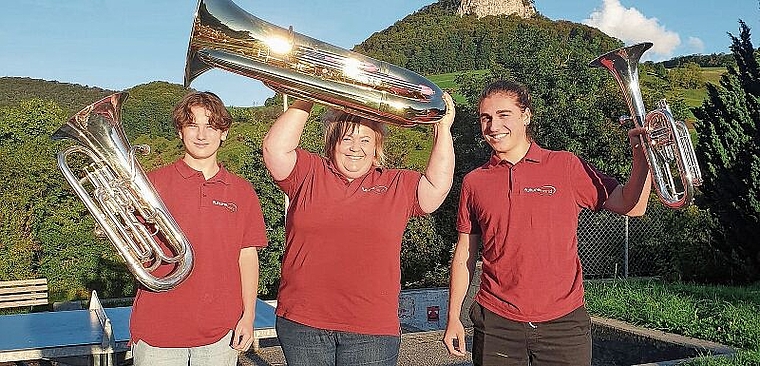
(97, 332)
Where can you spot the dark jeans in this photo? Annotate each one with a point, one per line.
(304, 345)
(500, 341)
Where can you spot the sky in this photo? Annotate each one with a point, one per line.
(117, 44)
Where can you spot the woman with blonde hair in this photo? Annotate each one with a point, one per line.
(338, 296)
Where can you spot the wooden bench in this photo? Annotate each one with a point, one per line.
(23, 293)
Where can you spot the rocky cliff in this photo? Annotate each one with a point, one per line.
(481, 8)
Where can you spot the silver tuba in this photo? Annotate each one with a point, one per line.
(122, 200)
(667, 145)
(227, 37)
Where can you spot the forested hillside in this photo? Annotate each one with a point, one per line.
(435, 40)
(711, 60)
(70, 97)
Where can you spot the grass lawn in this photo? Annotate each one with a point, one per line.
(447, 82)
(723, 314)
(713, 74)
(694, 97)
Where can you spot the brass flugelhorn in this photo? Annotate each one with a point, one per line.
(667, 145)
(227, 37)
(122, 200)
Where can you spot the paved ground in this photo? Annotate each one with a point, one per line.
(417, 349)
(426, 349)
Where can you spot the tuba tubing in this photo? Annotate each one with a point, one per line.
(123, 202)
(227, 37)
(667, 144)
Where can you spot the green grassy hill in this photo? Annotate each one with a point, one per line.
(713, 74)
(694, 97)
(448, 83)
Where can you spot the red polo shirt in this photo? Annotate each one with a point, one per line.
(220, 216)
(527, 216)
(341, 268)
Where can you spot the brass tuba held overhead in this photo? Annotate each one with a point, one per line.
(121, 198)
(667, 145)
(227, 37)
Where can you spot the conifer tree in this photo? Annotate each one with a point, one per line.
(729, 153)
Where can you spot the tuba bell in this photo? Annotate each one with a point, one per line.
(227, 37)
(667, 145)
(122, 200)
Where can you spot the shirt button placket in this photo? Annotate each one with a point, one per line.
(204, 193)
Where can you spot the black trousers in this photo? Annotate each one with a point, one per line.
(503, 342)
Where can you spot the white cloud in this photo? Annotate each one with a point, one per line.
(695, 45)
(631, 26)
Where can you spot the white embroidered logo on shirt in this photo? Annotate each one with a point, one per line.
(545, 190)
(228, 205)
(375, 189)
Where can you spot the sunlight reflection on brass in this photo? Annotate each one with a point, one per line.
(352, 68)
(397, 105)
(279, 45)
